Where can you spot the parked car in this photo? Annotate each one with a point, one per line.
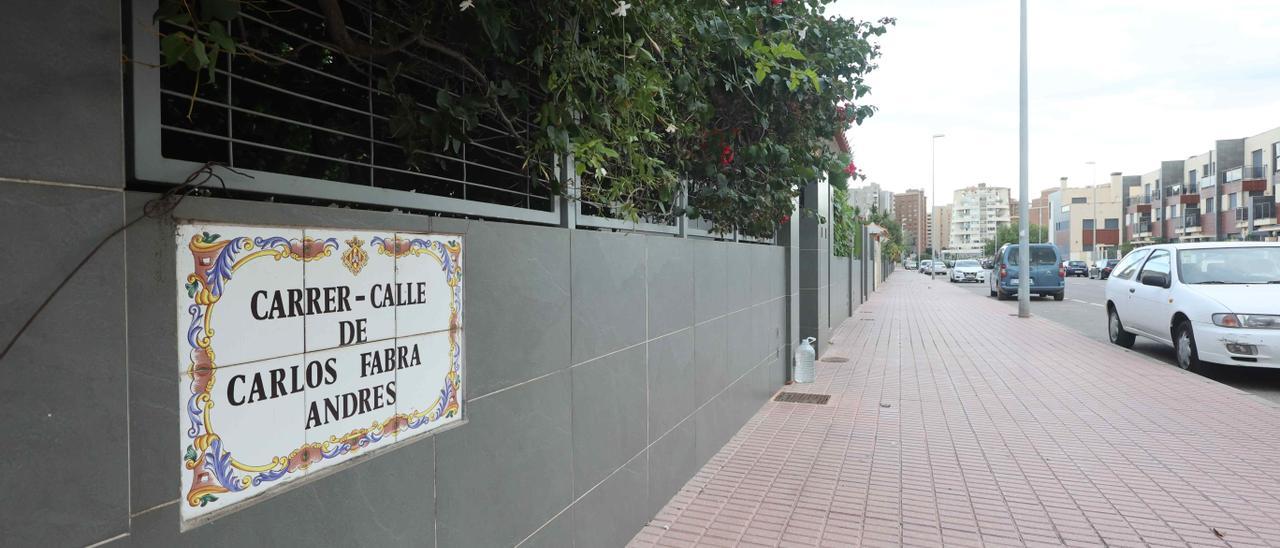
(1076, 268)
(966, 270)
(987, 264)
(924, 266)
(1048, 277)
(939, 267)
(1213, 302)
(909, 264)
(1101, 268)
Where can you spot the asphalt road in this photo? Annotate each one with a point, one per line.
(1084, 310)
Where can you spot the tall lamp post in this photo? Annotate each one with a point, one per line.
(933, 190)
(1024, 248)
(1093, 182)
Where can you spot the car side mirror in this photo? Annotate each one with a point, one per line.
(1157, 279)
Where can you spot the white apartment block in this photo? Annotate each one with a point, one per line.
(976, 213)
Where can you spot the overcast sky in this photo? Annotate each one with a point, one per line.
(1125, 83)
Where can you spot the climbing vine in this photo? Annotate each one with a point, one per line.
(733, 101)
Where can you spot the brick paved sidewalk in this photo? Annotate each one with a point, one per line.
(955, 423)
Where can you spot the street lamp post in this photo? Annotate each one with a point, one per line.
(1024, 248)
(933, 190)
(1093, 182)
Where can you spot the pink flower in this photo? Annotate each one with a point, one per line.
(726, 155)
(777, 2)
(851, 169)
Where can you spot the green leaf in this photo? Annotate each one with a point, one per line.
(191, 453)
(191, 293)
(174, 46)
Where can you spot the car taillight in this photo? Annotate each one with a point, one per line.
(1062, 272)
(1003, 273)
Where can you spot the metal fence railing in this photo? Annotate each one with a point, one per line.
(302, 121)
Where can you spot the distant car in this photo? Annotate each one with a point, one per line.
(1213, 302)
(939, 267)
(910, 264)
(1076, 268)
(1048, 277)
(966, 270)
(1101, 268)
(986, 264)
(924, 266)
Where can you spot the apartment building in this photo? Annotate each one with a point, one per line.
(911, 210)
(940, 227)
(1085, 221)
(976, 213)
(1224, 193)
(869, 196)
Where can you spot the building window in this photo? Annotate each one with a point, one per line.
(1088, 224)
(1111, 224)
(1275, 156)
(1208, 205)
(1232, 200)
(1080, 200)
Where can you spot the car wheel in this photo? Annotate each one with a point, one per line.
(1184, 346)
(993, 292)
(1115, 330)
(1059, 296)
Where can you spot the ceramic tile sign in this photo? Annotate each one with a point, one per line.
(301, 348)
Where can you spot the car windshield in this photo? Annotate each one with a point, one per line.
(1112, 262)
(1077, 263)
(1229, 265)
(1040, 256)
(964, 264)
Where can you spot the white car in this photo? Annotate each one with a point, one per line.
(967, 270)
(937, 267)
(1216, 302)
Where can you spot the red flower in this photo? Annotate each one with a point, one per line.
(851, 169)
(777, 2)
(786, 219)
(726, 155)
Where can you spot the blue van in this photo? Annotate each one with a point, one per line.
(1047, 276)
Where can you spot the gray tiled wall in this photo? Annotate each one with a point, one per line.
(603, 370)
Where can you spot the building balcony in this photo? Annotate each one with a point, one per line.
(1264, 213)
(1208, 181)
(1189, 222)
(1251, 178)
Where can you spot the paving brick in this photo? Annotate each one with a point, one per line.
(986, 440)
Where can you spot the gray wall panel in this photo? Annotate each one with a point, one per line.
(670, 284)
(671, 383)
(517, 299)
(608, 293)
(63, 400)
(507, 471)
(60, 93)
(609, 415)
(615, 510)
(710, 288)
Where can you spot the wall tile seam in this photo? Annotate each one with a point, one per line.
(108, 540)
(78, 186)
(649, 447)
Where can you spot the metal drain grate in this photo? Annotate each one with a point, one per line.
(834, 359)
(797, 397)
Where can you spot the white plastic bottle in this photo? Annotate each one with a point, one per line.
(805, 356)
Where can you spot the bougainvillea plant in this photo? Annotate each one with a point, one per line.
(734, 101)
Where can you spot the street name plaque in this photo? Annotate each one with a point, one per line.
(303, 348)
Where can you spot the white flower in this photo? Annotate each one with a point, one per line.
(803, 31)
(671, 128)
(621, 11)
(601, 173)
(465, 5)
